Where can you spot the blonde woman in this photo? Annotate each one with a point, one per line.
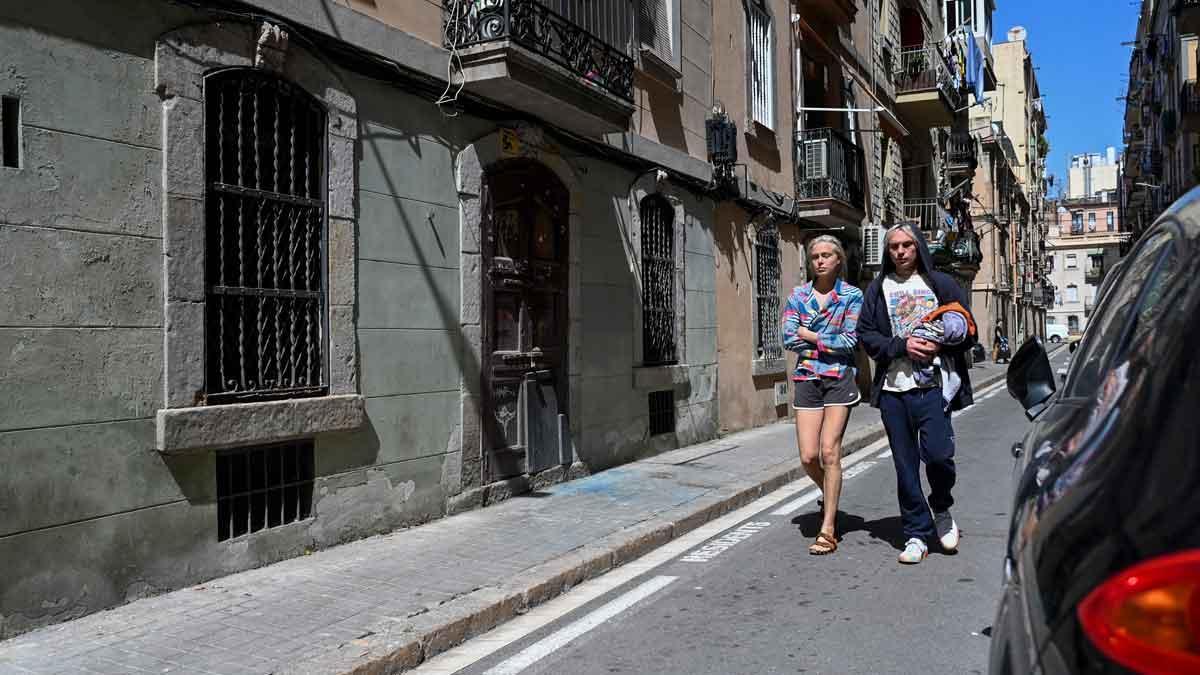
(820, 325)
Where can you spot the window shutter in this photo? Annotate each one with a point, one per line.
(654, 28)
(760, 66)
(872, 244)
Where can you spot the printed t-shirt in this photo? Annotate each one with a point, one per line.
(908, 303)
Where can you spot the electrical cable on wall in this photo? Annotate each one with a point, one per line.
(450, 35)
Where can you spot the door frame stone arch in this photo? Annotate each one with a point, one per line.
(470, 168)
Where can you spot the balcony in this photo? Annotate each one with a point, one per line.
(527, 54)
(1187, 16)
(961, 154)
(927, 90)
(829, 178)
(841, 11)
(1189, 107)
(1003, 285)
(924, 214)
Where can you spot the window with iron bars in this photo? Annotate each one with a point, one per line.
(265, 239)
(760, 63)
(769, 344)
(658, 281)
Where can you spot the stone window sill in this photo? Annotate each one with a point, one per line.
(658, 377)
(201, 428)
(768, 366)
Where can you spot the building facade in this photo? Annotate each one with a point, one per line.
(280, 278)
(1084, 244)
(1162, 113)
(1092, 174)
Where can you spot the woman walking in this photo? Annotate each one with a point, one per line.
(820, 324)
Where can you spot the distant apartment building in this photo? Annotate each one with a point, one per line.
(1083, 245)
(1092, 174)
(1009, 191)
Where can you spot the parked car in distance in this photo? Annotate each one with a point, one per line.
(1056, 332)
(1102, 564)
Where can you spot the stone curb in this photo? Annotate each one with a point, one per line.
(419, 638)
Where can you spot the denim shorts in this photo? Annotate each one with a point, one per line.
(826, 392)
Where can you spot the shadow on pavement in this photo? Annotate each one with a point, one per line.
(886, 529)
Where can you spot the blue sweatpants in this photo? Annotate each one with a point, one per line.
(918, 429)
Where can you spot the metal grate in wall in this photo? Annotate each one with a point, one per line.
(263, 487)
(658, 281)
(662, 412)
(265, 249)
(766, 293)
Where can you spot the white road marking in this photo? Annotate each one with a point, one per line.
(857, 469)
(725, 542)
(500, 637)
(885, 454)
(562, 637)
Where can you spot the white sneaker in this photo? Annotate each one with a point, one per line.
(914, 552)
(947, 530)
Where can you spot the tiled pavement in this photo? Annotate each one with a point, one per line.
(363, 601)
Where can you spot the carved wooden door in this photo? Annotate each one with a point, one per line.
(525, 319)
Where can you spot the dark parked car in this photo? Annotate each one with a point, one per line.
(1102, 568)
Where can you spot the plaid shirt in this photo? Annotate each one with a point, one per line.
(836, 327)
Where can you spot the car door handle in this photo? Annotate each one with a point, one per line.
(1017, 450)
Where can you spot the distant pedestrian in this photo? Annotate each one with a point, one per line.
(999, 342)
(819, 325)
(914, 386)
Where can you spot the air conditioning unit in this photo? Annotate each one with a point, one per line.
(816, 158)
(872, 243)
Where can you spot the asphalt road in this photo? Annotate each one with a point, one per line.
(749, 598)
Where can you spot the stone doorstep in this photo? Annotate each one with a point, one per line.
(404, 645)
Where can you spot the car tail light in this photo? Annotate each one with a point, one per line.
(1147, 618)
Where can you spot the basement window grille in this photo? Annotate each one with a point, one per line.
(265, 248)
(769, 343)
(662, 412)
(263, 487)
(658, 281)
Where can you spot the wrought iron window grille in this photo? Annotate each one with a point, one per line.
(662, 412)
(265, 239)
(658, 281)
(768, 341)
(263, 487)
(534, 26)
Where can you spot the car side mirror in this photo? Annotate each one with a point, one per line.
(1030, 377)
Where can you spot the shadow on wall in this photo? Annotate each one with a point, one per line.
(665, 108)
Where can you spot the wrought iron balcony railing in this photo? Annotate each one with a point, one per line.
(924, 68)
(960, 150)
(1094, 274)
(1189, 98)
(924, 213)
(543, 31)
(830, 166)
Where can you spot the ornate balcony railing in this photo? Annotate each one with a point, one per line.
(923, 68)
(829, 167)
(543, 31)
(960, 150)
(924, 213)
(1189, 98)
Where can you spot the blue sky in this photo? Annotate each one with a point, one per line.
(1083, 68)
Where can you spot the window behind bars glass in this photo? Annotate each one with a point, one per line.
(768, 342)
(265, 239)
(658, 281)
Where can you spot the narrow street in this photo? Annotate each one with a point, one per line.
(750, 599)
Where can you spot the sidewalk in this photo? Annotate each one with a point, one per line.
(387, 603)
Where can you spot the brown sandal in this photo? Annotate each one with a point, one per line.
(824, 544)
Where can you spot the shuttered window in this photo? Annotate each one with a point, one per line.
(658, 30)
(760, 48)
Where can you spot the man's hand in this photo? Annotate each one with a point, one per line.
(807, 335)
(921, 350)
